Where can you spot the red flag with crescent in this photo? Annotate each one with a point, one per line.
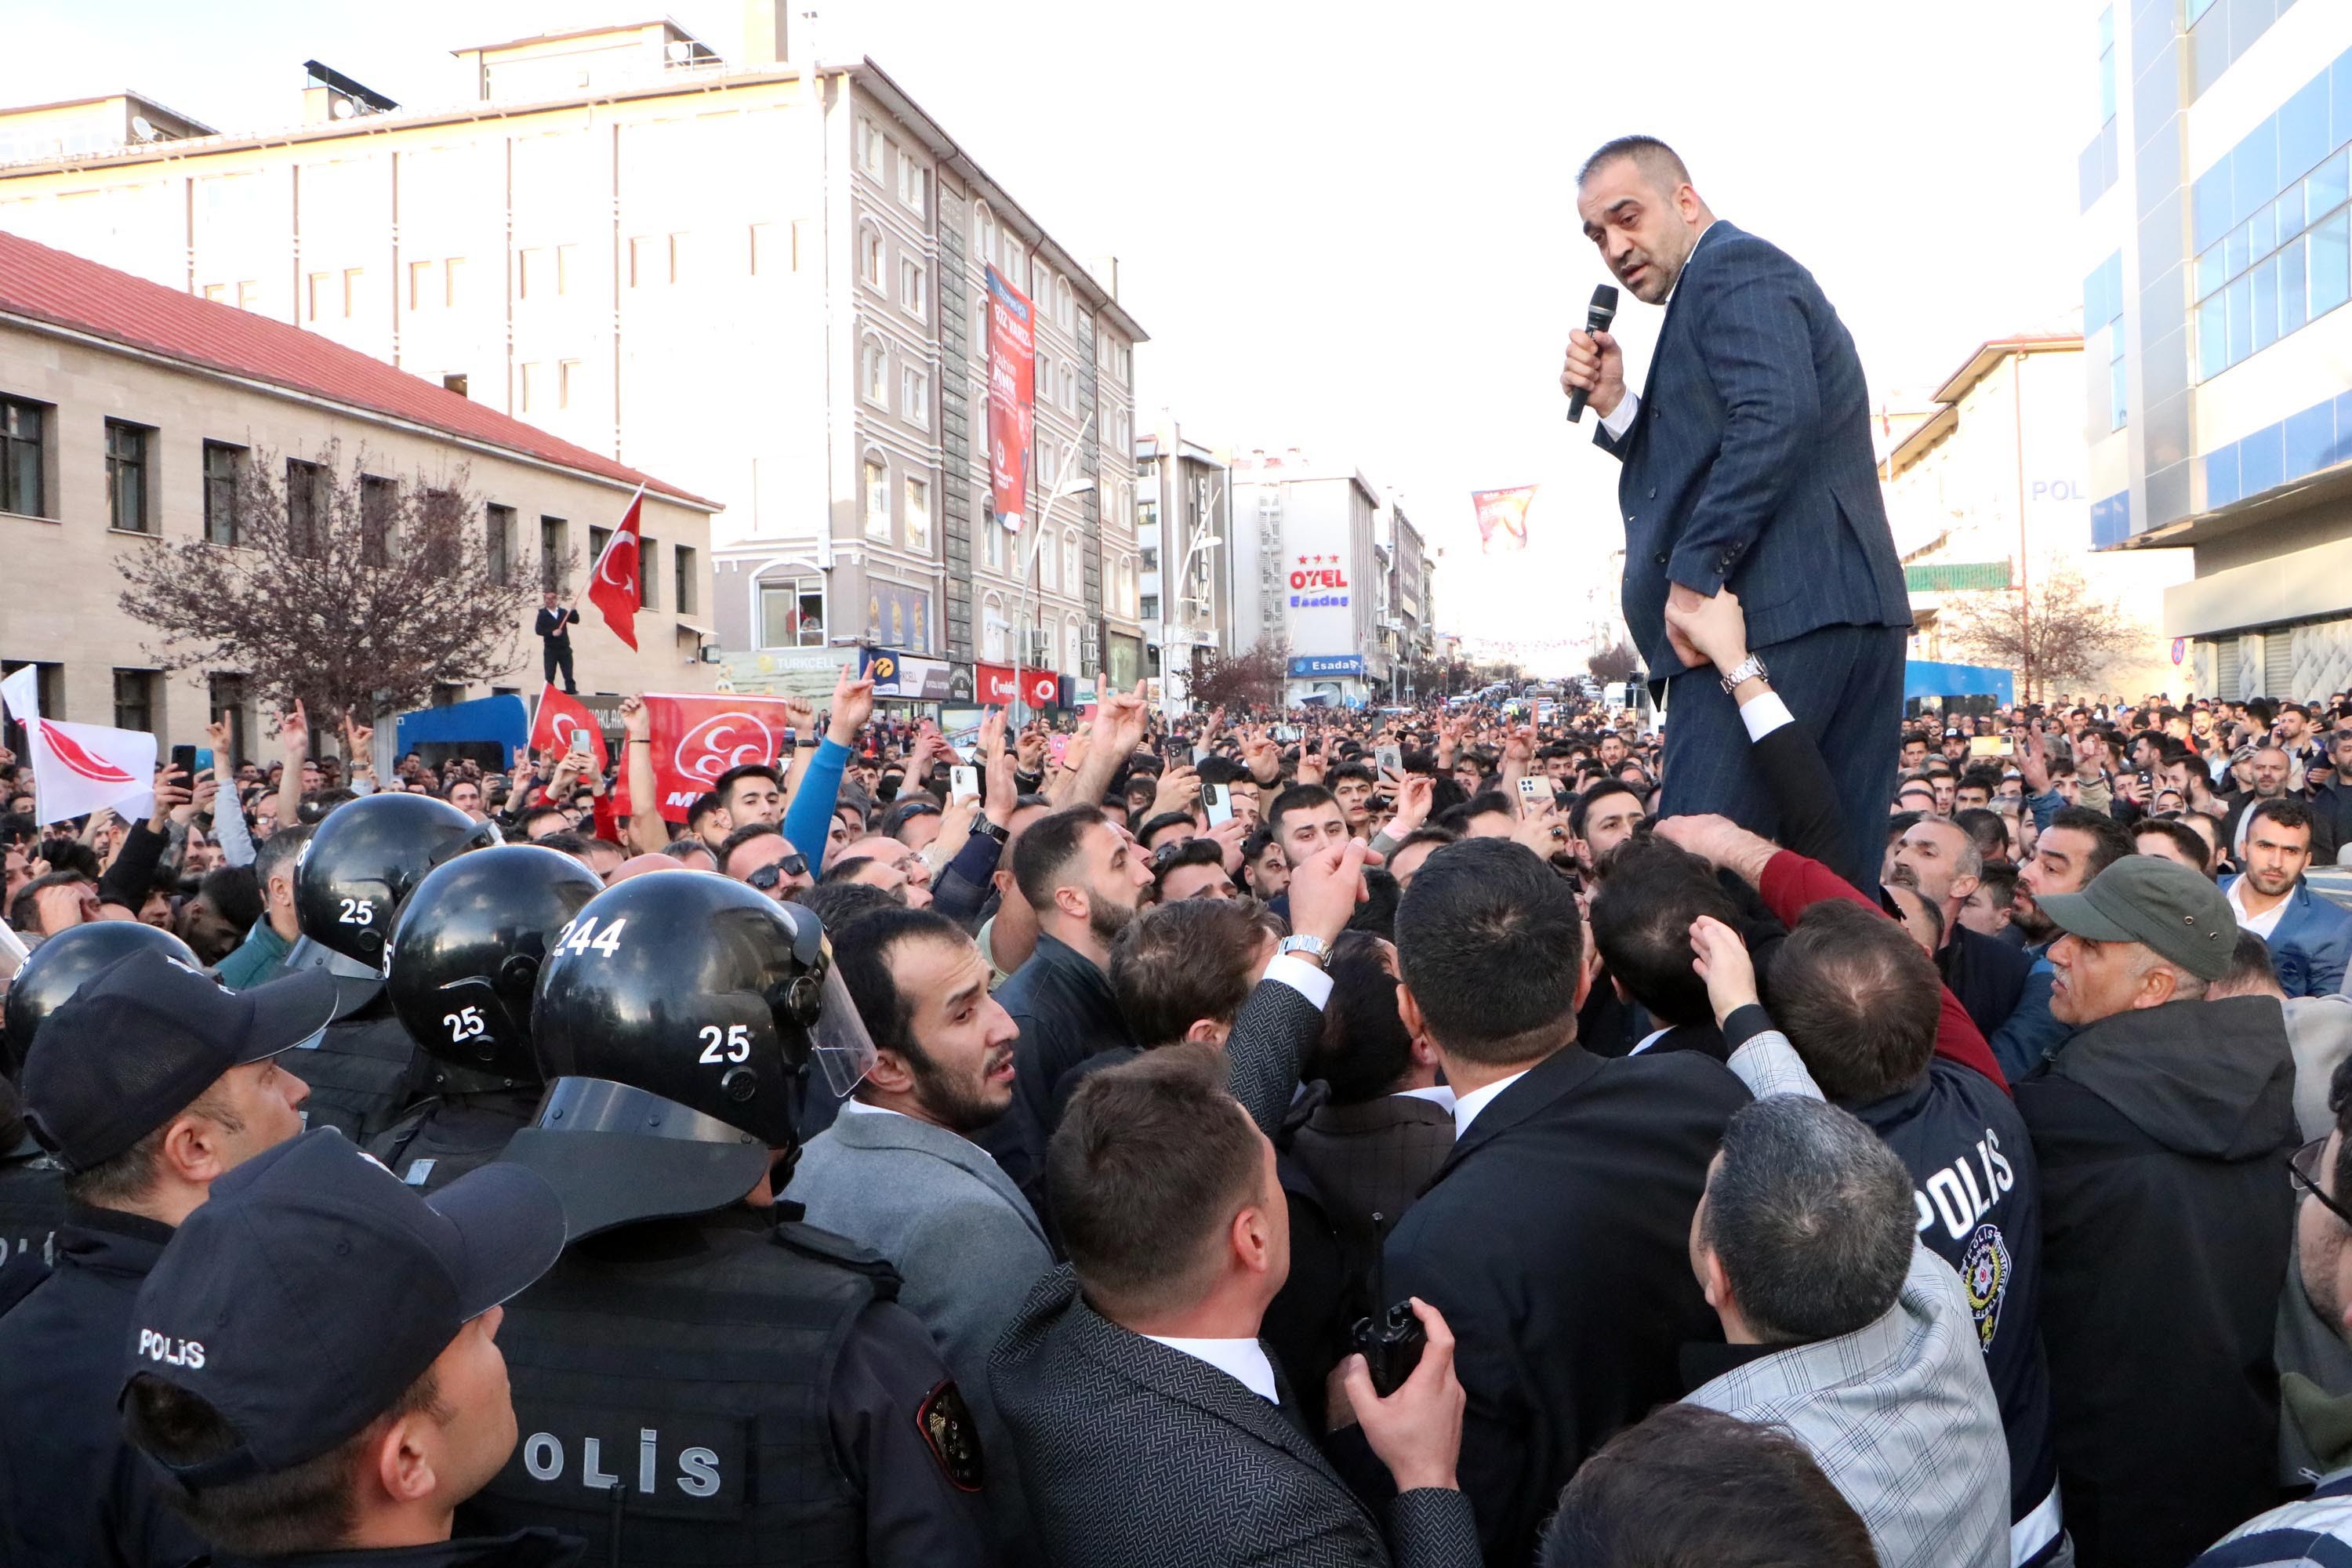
(617, 587)
(558, 719)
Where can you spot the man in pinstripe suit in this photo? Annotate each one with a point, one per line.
(1747, 463)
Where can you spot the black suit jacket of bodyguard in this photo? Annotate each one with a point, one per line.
(1749, 461)
(1556, 1239)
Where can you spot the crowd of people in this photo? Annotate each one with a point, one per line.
(1306, 1138)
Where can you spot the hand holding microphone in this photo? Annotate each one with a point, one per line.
(1594, 369)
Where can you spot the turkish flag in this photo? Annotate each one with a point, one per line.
(78, 768)
(558, 719)
(617, 588)
(696, 738)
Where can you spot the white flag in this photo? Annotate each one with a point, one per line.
(78, 768)
(22, 691)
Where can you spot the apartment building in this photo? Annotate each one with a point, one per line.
(1184, 521)
(2217, 257)
(128, 411)
(763, 275)
(1308, 565)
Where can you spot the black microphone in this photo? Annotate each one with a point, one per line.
(1603, 311)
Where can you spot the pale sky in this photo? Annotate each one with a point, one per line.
(1351, 229)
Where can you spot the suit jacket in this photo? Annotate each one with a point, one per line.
(2319, 1033)
(1901, 1418)
(2311, 944)
(1135, 1456)
(1987, 974)
(1748, 462)
(965, 1242)
(1374, 1158)
(1066, 1014)
(1556, 1240)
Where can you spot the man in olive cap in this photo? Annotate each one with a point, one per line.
(2163, 1127)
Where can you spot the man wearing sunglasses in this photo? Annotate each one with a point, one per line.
(2318, 1528)
(765, 859)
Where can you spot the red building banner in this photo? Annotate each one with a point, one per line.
(991, 685)
(1503, 518)
(1012, 400)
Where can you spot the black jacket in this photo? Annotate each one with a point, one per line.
(1136, 1455)
(523, 1548)
(1987, 974)
(556, 625)
(1556, 1240)
(72, 1491)
(1066, 1014)
(2162, 1137)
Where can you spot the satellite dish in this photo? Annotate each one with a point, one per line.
(344, 110)
(142, 128)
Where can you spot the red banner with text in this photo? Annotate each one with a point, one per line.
(1012, 400)
(697, 738)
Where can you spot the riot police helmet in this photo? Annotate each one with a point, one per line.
(59, 965)
(366, 857)
(684, 1012)
(467, 949)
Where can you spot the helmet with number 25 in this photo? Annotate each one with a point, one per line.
(368, 856)
(466, 951)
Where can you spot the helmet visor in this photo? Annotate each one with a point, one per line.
(838, 1037)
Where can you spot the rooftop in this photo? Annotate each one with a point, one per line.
(49, 288)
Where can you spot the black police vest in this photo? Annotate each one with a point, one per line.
(32, 1206)
(360, 1073)
(441, 1139)
(671, 1393)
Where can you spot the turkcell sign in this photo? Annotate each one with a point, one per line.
(1306, 666)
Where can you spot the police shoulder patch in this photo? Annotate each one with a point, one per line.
(951, 1435)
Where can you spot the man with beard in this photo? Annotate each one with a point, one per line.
(2309, 937)
(1936, 860)
(2075, 846)
(1084, 880)
(898, 1172)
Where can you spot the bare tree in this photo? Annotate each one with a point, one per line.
(1617, 662)
(356, 595)
(2058, 633)
(1250, 678)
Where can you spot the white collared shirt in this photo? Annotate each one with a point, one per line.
(1303, 975)
(1619, 420)
(1466, 1107)
(854, 1107)
(1436, 1094)
(2263, 924)
(1651, 1038)
(1244, 1361)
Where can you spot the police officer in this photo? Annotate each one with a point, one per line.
(311, 1249)
(362, 860)
(701, 1378)
(32, 1191)
(149, 1084)
(465, 957)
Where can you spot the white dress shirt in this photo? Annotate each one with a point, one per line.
(2263, 924)
(1244, 1361)
(1466, 1107)
(1620, 419)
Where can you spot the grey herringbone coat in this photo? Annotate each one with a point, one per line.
(1136, 1456)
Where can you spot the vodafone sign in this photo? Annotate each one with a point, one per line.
(993, 685)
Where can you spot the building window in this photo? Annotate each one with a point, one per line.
(640, 261)
(498, 543)
(911, 183)
(248, 294)
(1048, 565)
(685, 597)
(991, 533)
(597, 539)
(649, 571)
(531, 271)
(1150, 608)
(134, 700)
(874, 373)
(791, 613)
(877, 500)
(914, 395)
(870, 143)
(23, 426)
(379, 510)
(681, 256)
(554, 544)
(225, 695)
(420, 285)
(308, 496)
(2103, 330)
(126, 478)
(1073, 581)
(914, 287)
(566, 372)
(919, 515)
(2107, 59)
(566, 258)
(532, 397)
(992, 628)
(224, 471)
(353, 277)
(319, 293)
(451, 271)
(869, 255)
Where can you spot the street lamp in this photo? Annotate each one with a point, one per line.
(1064, 484)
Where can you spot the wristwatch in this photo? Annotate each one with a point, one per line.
(991, 830)
(1748, 669)
(1313, 947)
